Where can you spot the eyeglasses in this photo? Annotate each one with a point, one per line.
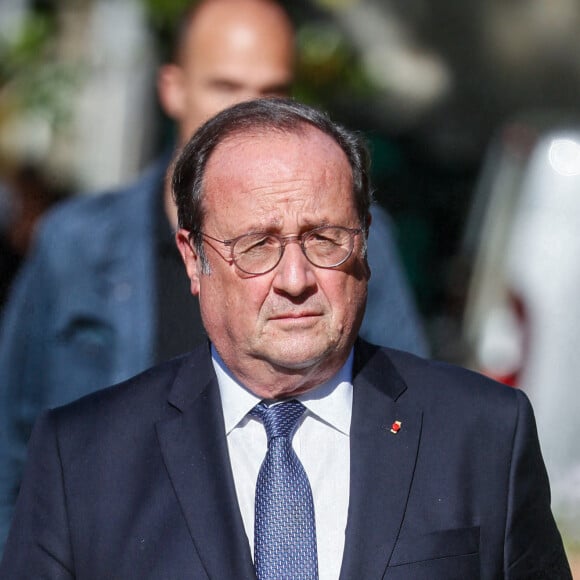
(259, 253)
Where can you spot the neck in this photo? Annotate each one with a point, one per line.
(271, 382)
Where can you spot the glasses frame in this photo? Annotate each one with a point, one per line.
(284, 240)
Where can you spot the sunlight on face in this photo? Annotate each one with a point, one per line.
(298, 318)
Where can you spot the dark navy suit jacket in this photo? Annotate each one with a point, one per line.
(82, 315)
(135, 481)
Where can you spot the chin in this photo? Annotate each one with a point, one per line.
(301, 356)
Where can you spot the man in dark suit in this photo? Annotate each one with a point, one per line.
(287, 448)
(114, 298)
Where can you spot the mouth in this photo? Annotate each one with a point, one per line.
(295, 315)
(296, 320)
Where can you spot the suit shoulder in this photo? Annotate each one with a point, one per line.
(87, 216)
(127, 411)
(436, 379)
(85, 230)
(145, 389)
(83, 216)
(457, 399)
(147, 397)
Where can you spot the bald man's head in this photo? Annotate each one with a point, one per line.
(228, 51)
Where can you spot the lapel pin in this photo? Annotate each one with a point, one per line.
(396, 427)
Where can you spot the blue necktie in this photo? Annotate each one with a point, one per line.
(285, 533)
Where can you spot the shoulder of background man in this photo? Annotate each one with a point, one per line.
(391, 317)
(382, 228)
(93, 217)
(380, 215)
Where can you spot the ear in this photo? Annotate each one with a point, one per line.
(170, 89)
(190, 258)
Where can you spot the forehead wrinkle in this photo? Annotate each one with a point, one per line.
(274, 212)
(282, 190)
(288, 196)
(290, 187)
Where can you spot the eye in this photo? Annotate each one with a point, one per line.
(323, 236)
(225, 86)
(255, 243)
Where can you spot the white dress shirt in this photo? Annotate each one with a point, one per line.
(322, 443)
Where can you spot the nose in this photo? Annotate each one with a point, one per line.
(294, 275)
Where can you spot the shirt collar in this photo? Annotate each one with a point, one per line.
(331, 402)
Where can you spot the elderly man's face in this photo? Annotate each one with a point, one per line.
(298, 320)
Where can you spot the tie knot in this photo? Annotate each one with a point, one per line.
(279, 420)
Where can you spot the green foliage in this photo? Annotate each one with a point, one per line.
(28, 48)
(163, 16)
(328, 66)
(32, 80)
(164, 13)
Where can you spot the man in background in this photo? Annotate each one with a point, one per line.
(103, 295)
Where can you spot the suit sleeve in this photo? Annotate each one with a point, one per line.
(22, 350)
(38, 544)
(533, 546)
(391, 318)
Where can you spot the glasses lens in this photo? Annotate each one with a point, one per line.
(256, 253)
(329, 246)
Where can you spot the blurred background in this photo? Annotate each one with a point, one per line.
(471, 111)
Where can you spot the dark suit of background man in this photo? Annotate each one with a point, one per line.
(104, 295)
(418, 470)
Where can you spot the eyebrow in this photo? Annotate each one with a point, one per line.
(275, 228)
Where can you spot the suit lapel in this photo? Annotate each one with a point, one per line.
(382, 464)
(195, 452)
